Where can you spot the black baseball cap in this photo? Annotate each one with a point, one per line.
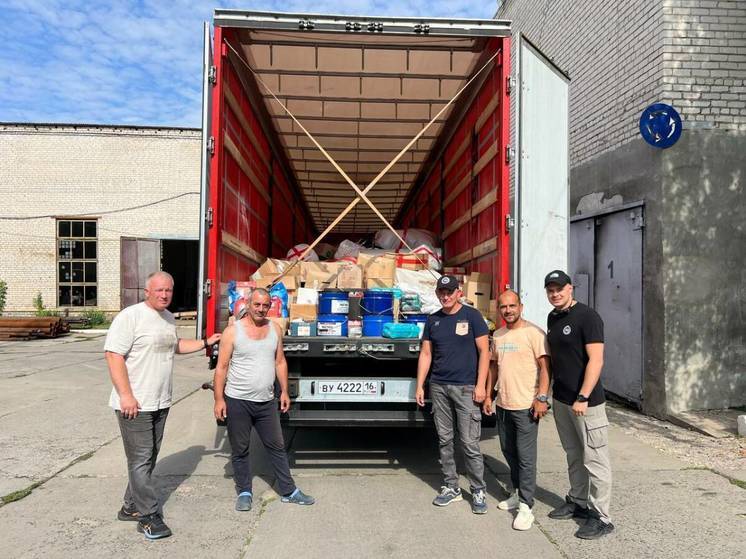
(557, 276)
(447, 282)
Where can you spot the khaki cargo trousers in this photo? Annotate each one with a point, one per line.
(585, 440)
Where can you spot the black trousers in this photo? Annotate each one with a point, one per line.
(518, 431)
(243, 416)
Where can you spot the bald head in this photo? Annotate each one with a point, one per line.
(510, 307)
(509, 295)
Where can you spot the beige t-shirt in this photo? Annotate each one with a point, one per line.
(147, 339)
(516, 352)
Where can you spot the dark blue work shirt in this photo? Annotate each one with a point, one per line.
(454, 350)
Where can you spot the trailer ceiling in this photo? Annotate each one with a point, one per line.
(362, 94)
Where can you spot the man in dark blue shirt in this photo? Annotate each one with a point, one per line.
(455, 347)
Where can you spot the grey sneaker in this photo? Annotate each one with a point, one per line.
(478, 502)
(297, 497)
(243, 503)
(447, 496)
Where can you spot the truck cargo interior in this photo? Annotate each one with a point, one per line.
(363, 93)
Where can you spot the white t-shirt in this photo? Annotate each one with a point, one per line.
(147, 340)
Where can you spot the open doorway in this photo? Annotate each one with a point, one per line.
(180, 258)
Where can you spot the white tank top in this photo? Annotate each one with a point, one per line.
(251, 373)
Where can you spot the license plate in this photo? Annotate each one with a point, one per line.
(362, 387)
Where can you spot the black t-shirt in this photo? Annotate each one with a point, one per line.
(567, 333)
(455, 354)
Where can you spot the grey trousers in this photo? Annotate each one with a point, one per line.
(142, 438)
(518, 431)
(453, 406)
(586, 443)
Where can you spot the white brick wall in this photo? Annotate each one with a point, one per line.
(704, 61)
(73, 170)
(622, 56)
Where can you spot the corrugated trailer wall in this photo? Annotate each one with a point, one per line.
(256, 211)
(465, 198)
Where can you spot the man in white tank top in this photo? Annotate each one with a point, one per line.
(250, 359)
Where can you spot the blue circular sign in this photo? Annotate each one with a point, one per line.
(660, 125)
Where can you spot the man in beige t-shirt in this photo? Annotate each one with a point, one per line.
(519, 379)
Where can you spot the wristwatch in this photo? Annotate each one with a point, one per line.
(543, 398)
(582, 399)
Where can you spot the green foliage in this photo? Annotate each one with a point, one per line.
(41, 309)
(3, 294)
(94, 317)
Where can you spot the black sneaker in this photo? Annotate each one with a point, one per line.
(569, 510)
(128, 514)
(594, 528)
(153, 527)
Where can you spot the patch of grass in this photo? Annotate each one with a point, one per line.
(738, 482)
(94, 317)
(20, 494)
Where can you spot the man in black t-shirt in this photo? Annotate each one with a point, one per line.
(455, 346)
(575, 333)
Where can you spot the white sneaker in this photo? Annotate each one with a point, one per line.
(524, 519)
(510, 503)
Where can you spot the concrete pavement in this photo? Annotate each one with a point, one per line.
(373, 487)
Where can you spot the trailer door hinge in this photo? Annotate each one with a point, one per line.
(208, 216)
(509, 84)
(509, 223)
(207, 288)
(212, 75)
(211, 145)
(509, 154)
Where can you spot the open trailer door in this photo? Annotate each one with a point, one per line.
(208, 79)
(542, 177)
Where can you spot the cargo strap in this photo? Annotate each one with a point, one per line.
(361, 194)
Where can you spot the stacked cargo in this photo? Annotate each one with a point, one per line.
(381, 292)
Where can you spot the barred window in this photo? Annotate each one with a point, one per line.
(77, 266)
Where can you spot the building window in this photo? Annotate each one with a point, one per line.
(77, 267)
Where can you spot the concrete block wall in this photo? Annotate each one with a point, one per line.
(704, 62)
(106, 172)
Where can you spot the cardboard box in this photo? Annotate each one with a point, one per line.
(493, 313)
(304, 312)
(320, 275)
(303, 328)
(478, 293)
(480, 277)
(350, 277)
(379, 266)
(282, 322)
(273, 267)
(379, 282)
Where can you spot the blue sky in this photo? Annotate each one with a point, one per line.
(136, 62)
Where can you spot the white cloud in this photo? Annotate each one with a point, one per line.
(135, 62)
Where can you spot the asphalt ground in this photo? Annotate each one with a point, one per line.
(62, 474)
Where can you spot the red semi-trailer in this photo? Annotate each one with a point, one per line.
(363, 87)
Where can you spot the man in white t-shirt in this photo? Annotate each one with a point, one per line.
(520, 372)
(139, 349)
